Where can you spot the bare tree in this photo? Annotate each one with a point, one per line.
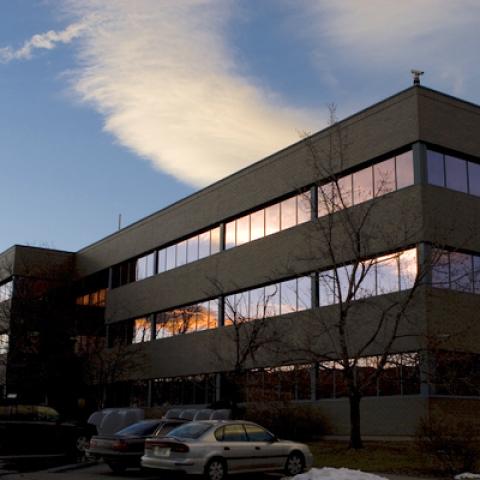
(350, 226)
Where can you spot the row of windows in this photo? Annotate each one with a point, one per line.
(365, 184)
(455, 270)
(93, 299)
(453, 172)
(193, 318)
(181, 253)
(369, 182)
(6, 291)
(266, 221)
(401, 376)
(377, 276)
(276, 299)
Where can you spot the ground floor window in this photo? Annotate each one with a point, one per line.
(189, 390)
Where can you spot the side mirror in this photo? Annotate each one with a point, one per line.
(273, 439)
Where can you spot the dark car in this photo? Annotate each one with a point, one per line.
(123, 449)
(33, 430)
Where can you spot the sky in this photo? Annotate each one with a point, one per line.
(125, 106)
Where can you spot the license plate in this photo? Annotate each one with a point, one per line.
(161, 452)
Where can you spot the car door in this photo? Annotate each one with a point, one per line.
(236, 449)
(268, 452)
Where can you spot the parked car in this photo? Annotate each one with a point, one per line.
(216, 448)
(36, 430)
(123, 449)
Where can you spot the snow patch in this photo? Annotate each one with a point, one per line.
(337, 474)
(467, 476)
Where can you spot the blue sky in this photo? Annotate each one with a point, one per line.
(126, 106)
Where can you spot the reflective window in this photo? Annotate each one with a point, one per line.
(304, 293)
(327, 195)
(456, 174)
(474, 178)
(387, 274)
(162, 260)
(272, 300)
(404, 165)
(440, 269)
(435, 169)
(288, 210)
(142, 330)
(326, 284)
(192, 249)
(272, 219)
(304, 207)
(343, 283)
(343, 192)
(6, 291)
(461, 272)
(257, 303)
(144, 267)
(181, 253)
(362, 185)
(476, 274)
(365, 279)
(214, 240)
(170, 254)
(230, 235)
(408, 268)
(243, 230)
(234, 433)
(289, 296)
(257, 225)
(384, 177)
(204, 244)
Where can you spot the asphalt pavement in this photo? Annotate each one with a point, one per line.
(101, 471)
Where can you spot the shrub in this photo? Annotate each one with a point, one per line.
(451, 444)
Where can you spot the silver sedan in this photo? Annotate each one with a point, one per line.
(217, 447)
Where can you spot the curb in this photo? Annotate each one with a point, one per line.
(73, 466)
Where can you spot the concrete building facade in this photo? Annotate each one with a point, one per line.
(170, 291)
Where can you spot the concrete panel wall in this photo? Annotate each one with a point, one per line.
(389, 416)
(295, 251)
(380, 129)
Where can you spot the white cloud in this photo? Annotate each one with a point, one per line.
(46, 41)
(378, 38)
(167, 84)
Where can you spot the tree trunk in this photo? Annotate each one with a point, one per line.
(355, 435)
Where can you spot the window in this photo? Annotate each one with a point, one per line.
(288, 209)
(474, 178)
(384, 177)
(6, 291)
(404, 167)
(272, 219)
(181, 253)
(435, 169)
(145, 266)
(142, 330)
(456, 174)
(362, 185)
(233, 433)
(256, 433)
(257, 225)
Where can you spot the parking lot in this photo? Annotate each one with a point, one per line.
(103, 472)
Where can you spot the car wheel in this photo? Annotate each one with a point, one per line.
(81, 445)
(216, 469)
(117, 468)
(295, 464)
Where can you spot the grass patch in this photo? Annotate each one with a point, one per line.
(380, 457)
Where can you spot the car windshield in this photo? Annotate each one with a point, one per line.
(189, 430)
(140, 429)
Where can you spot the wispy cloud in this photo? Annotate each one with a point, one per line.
(46, 41)
(166, 82)
(384, 38)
